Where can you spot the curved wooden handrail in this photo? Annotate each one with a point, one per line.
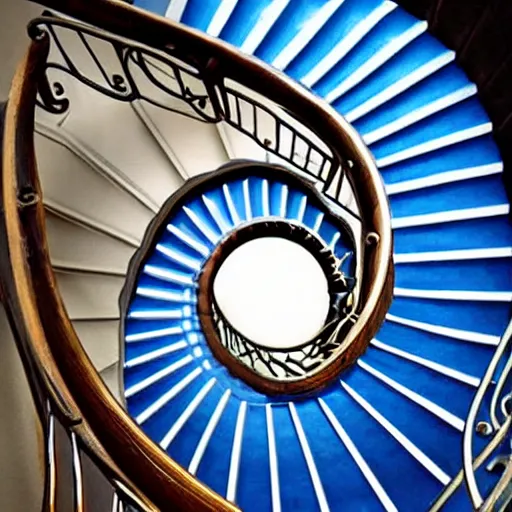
(139, 25)
(242, 169)
(38, 308)
(39, 302)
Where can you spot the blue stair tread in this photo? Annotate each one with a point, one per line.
(183, 222)
(343, 482)
(482, 233)
(377, 448)
(437, 388)
(463, 315)
(148, 281)
(218, 197)
(184, 445)
(446, 81)
(156, 6)
(198, 13)
(464, 194)
(287, 26)
(464, 356)
(199, 208)
(136, 374)
(242, 20)
(141, 303)
(254, 475)
(140, 348)
(276, 203)
(182, 273)
(295, 202)
(139, 326)
(442, 448)
(419, 52)
(141, 400)
(214, 467)
(258, 197)
(336, 28)
(292, 467)
(390, 27)
(172, 242)
(236, 188)
(456, 118)
(473, 275)
(158, 425)
(463, 155)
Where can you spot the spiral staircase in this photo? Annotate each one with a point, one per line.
(354, 138)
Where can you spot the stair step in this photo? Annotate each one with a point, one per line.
(192, 147)
(141, 166)
(100, 339)
(77, 187)
(77, 247)
(90, 296)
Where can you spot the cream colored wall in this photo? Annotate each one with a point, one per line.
(21, 478)
(13, 37)
(21, 482)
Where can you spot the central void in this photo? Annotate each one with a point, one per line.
(274, 292)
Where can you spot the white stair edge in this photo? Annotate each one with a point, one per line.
(450, 216)
(88, 223)
(267, 18)
(453, 255)
(306, 34)
(400, 86)
(97, 162)
(444, 177)
(465, 295)
(434, 144)
(175, 9)
(221, 17)
(377, 60)
(351, 40)
(420, 113)
(146, 119)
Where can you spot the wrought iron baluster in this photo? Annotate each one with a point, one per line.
(118, 81)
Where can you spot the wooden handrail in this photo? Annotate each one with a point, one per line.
(136, 24)
(37, 306)
(159, 478)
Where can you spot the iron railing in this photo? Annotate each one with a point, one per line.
(145, 54)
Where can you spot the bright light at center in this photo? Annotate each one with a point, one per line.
(273, 291)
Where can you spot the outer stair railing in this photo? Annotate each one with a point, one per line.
(66, 388)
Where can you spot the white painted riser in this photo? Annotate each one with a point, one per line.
(105, 171)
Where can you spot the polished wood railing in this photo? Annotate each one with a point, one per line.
(60, 371)
(49, 345)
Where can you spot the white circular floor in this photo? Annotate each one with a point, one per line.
(273, 291)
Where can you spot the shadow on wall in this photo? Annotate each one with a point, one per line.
(21, 471)
(22, 468)
(13, 38)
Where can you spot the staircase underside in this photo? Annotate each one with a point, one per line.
(387, 431)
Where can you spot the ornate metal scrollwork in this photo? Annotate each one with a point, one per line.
(279, 364)
(299, 361)
(127, 71)
(498, 431)
(123, 70)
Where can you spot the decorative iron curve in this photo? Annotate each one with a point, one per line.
(299, 361)
(294, 363)
(196, 84)
(123, 87)
(498, 431)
